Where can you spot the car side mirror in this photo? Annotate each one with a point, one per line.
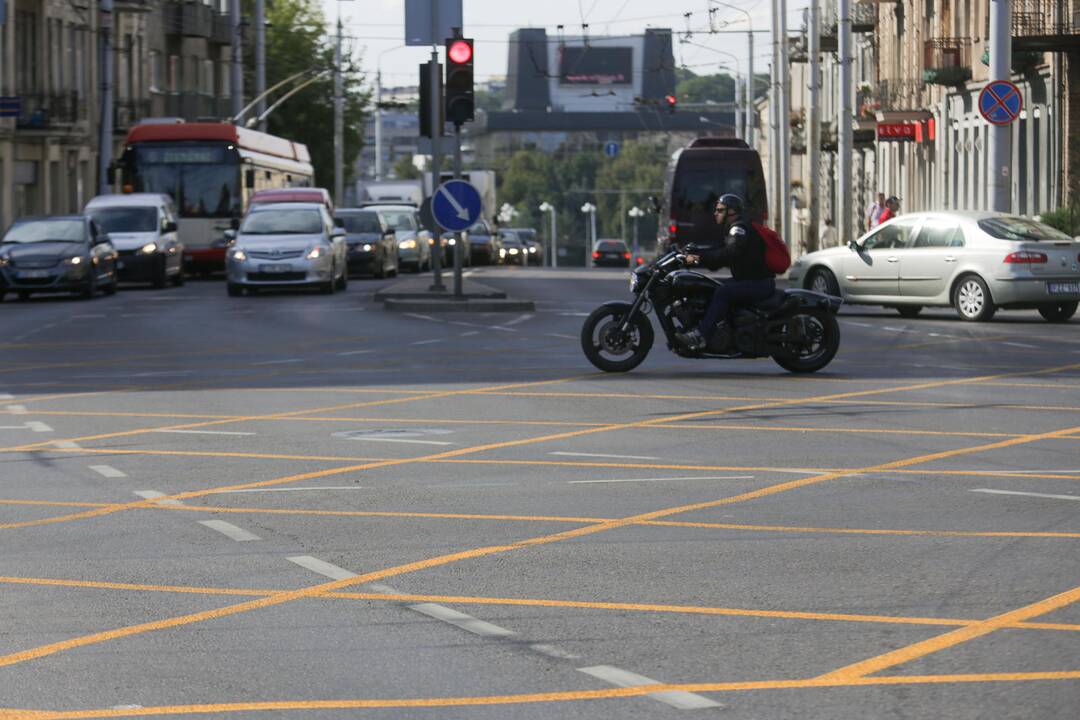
(100, 239)
(854, 245)
(339, 222)
(169, 226)
(230, 234)
(388, 233)
(235, 223)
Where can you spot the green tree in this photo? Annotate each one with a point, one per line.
(297, 39)
(706, 88)
(404, 169)
(638, 169)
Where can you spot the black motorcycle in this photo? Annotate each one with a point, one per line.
(796, 328)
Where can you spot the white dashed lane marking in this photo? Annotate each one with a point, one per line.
(107, 471)
(601, 455)
(461, 620)
(675, 698)
(154, 495)
(321, 567)
(279, 362)
(350, 353)
(67, 445)
(426, 342)
(229, 530)
(29, 425)
(1027, 494)
(16, 409)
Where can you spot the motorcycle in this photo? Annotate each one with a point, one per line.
(796, 328)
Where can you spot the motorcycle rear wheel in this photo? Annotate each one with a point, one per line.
(607, 347)
(819, 352)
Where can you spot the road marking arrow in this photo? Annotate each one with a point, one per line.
(458, 209)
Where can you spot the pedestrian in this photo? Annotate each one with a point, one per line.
(873, 212)
(892, 209)
(827, 234)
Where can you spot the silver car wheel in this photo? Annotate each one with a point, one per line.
(970, 298)
(820, 283)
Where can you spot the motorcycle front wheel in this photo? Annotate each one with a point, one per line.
(817, 349)
(607, 346)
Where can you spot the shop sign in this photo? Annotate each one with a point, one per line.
(896, 131)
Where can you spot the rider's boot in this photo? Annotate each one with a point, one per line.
(692, 340)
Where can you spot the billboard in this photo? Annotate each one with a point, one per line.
(593, 65)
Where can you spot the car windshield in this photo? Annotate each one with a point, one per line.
(1010, 227)
(34, 231)
(611, 246)
(282, 222)
(479, 229)
(400, 220)
(126, 219)
(511, 241)
(356, 223)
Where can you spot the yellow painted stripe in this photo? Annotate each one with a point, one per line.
(532, 698)
(951, 639)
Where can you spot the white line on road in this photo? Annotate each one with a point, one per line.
(560, 335)
(461, 620)
(229, 530)
(375, 438)
(574, 314)
(1021, 345)
(94, 316)
(675, 698)
(1028, 494)
(6, 396)
(470, 333)
(163, 373)
(636, 480)
(288, 361)
(202, 432)
(107, 471)
(601, 455)
(518, 320)
(354, 352)
(154, 495)
(38, 426)
(501, 328)
(67, 445)
(321, 567)
(420, 317)
(296, 489)
(16, 409)
(426, 342)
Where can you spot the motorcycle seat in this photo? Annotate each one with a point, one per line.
(773, 301)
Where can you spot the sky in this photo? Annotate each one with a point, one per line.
(377, 27)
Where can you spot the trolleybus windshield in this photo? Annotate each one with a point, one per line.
(203, 179)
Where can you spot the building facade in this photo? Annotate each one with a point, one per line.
(170, 59)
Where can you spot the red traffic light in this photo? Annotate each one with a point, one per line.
(671, 101)
(460, 52)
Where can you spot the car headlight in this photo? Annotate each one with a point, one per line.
(513, 251)
(149, 248)
(532, 250)
(366, 247)
(238, 255)
(451, 242)
(3, 261)
(502, 252)
(315, 253)
(407, 245)
(77, 260)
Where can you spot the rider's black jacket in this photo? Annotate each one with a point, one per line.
(742, 250)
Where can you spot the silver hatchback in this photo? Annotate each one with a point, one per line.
(287, 244)
(975, 262)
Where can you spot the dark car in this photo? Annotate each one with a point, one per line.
(533, 246)
(512, 250)
(61, 253)
(483, 244)
(610, 253)
(372, 242)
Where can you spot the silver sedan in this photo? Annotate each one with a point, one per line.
(286, 244)
(975, 262)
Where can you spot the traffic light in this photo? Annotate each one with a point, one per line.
(425, 102)
(460, 102)
(672, 102)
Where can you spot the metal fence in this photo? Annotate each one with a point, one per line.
(45, 111)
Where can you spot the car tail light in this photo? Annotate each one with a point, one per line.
(672, 229)
(1026, 257)
(595, 255)
(626, 256)
(641, 261)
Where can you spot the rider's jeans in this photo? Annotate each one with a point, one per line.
(733, 292)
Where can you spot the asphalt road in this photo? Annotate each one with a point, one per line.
(302, 506)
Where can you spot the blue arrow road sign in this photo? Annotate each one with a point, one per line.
(611, 149)
(456, 205)
(1000, 102)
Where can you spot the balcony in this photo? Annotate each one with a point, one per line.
(947, 61)
(864, 16)
(1045, 26)
(893, 96)
(191, 19)
(41, 112)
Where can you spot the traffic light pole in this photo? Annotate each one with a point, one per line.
(436, 151)
(458, 237)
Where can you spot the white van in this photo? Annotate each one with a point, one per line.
(142, 228)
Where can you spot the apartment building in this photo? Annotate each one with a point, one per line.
(170, 59)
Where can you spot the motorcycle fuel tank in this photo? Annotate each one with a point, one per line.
(688, 282)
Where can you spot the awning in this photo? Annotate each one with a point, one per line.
(897, 116)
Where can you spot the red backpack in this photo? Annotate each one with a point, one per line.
(777, 257)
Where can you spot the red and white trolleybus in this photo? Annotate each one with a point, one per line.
(210, 170)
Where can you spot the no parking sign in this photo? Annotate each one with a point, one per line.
(1000, 102)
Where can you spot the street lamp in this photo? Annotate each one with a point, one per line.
(378, 111)
(590, 210)
(547, 207)
(636, 213)
(507, 213)
(749, 125)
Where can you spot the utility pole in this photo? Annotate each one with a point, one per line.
(457, 236)
(546, 207)
(435, 85)
(1000, 160)
(843, 129)
(237, 84)
(260, 60)
(339, 123)
(105, 128)
(750, 86)
(785, 126)
(813, 130)
(378, 125)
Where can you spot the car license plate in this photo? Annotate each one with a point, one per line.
(1063, 288)
(33, 274)
(277, 268)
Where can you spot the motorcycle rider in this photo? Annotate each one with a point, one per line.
(743, 251)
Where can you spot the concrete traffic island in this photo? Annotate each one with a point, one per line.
(415, 295)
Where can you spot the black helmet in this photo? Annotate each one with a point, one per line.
(731, 201)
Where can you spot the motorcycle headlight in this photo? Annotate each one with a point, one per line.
(238, 255)
(148, 248)
(315, 253)
(407, 244)
(77, 260)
